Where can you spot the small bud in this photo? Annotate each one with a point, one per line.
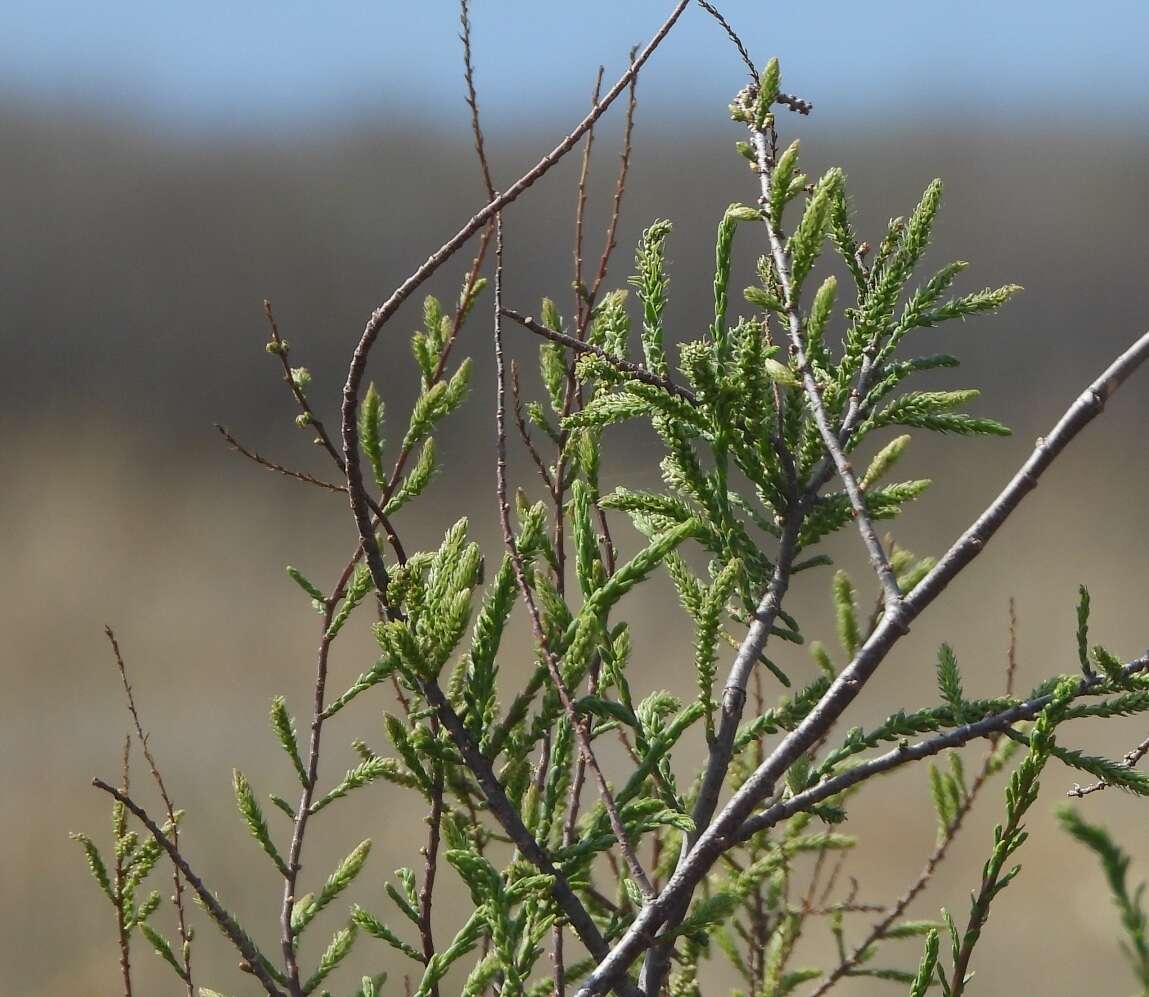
(303, 420)
(300, 377)
(743, 213)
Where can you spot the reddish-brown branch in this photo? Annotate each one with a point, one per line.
(430, 866)
(581, 305)
(472, 99)
(628, 367)
(123, 938)
(578, 724)
(525, 432)
(272, 465)
(350, 408)
(322, 437)
(307, 793)
(619, 191)
(169, 807)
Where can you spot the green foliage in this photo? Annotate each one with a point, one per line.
(1083, 630)
(925, 973)
(744, 412)
(371, 418)
(284, 727)
(252, 815)
(806, 242)
(1021, 793)
(849, 635)
(1115, 865)
(121, 877)
(949, 683)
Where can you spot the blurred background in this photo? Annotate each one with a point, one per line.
(163, 170)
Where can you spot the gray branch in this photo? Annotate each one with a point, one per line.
(878, 558)
(986, 727)
(727, 827)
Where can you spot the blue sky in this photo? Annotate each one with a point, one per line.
(243, 62)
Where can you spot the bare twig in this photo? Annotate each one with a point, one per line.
(430, 865)
(582, 308)
(169, 807)
(525, 432)
(123, 938)
(628, 367)
(728, 826)
(619, 192)
(578, 723)
(796, 104)
(307, 793)
(472, 99)
(272, 465)
(1129, 761)
(1011, 651)
(323, 438)
(878, 929)
(571, 393)
(733, 36)
(380, 317)
(254, 960)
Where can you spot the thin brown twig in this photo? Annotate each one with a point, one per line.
(796, 104)
(582, 306)
(472, 99)
(430, 864)
(122, 937)
(853, 907)
(628, 367)
(715, 13)
(271, 465)
(380, 317)
(619, 192)
(577, 722)
(572, 393)
(879, 929)
(525, 432)
(322, 437)
(307, 792)
(282, 349)
(1011, 650)
(169, 807)
(606, 541)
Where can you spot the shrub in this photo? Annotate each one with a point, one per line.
(578, 881)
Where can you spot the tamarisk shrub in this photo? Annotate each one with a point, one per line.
(775, 433)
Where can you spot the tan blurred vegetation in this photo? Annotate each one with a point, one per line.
(132, 270)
